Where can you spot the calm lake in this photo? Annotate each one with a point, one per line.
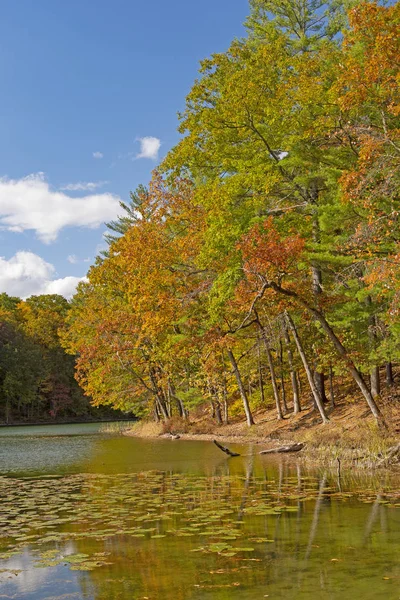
(96, 515)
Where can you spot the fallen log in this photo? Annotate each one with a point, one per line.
(393, 455)
(171, 436)
(226, 450)
(284, 449)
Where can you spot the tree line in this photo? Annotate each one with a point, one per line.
(261, 264)
(37, 380)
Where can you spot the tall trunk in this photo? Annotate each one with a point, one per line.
(283, 394)
(293, 374)
(373, 341)
(260, 375)
(183, 409)
(272, 372)
(167, 403)
(299, 383)
(316, 273)
(226, 411)
(156, 413)
(243, 395)
(179, 401)
(319, 379)
(389, 374)
(218, 412)
(215, 405)
(283, 391)
(212, 409)
(225, 401)
(314, 389)
(162, 407)
(332, 393)
(340, 349)
(375, 382)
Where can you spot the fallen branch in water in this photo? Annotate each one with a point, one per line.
(284, 449)
(226, 450)
(392, 456)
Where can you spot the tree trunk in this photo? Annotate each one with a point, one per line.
(182, 408)
(212, 409)
(314, 389)
(226, 410)
(319, 379)
(373, 340)
(331, 390)
(260, 376)
(340, 349)
(293, 374)
(243, 395)
(272, 371)
(299, 383)
(375, 382)
(215, 405)
(162, 408)
(389, 374)
(283, 391)
(179, 403)
(225, 401)
(218, 412)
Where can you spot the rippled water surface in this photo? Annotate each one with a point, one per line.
(95, 515)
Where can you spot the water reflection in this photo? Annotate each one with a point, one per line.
(193, 524)
(20, 581)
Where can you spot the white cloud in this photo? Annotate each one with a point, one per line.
(84, 186)
(30, 203)
(65, 286)
(26, 274)
(74, 259)
(98, 155)
(149, 147)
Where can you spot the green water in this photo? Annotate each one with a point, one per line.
(95, 515)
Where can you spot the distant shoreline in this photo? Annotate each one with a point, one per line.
(69, 422)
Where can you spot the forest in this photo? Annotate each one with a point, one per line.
(36, 375)
(260, 266)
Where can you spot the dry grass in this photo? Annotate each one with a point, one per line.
(145, 429)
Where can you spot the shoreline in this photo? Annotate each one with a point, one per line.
(69, 422)
(355, 441)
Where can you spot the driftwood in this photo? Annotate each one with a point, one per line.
(226, 450)
(392, 456)
(284, 449)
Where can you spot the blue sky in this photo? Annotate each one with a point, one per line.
(82, 83)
